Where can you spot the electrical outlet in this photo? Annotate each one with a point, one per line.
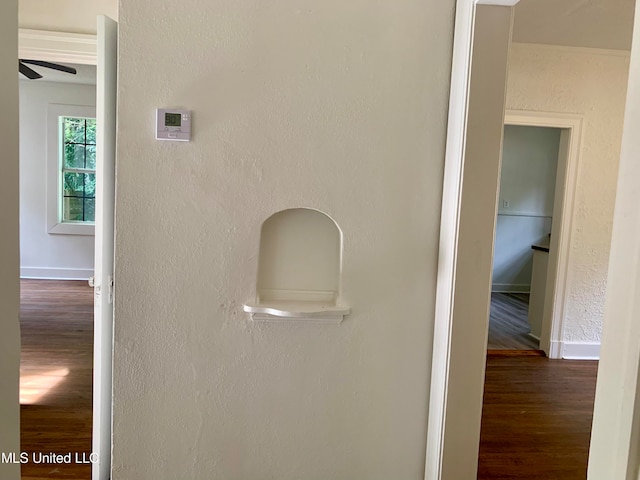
(505, 204)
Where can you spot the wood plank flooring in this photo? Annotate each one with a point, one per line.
(56, 319)
(536, 418)
(508, 325)
(535, 423)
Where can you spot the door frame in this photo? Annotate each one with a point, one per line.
(106, 107)
(551, 340)
(438, 427)
(82, 49)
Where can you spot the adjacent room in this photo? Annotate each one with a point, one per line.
(523, 228)
(57, 195)
(567, 64)
(566, 83)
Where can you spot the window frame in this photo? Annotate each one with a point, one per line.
(55, 156)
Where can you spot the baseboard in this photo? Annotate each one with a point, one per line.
(46, 273)
(555, 349)
(510, 288)
(581, 351)
(515, 353)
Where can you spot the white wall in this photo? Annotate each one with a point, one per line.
(45, 255)
(591, 83)
(77, 16)
(338, 106)
(527, 184)
(9, 248)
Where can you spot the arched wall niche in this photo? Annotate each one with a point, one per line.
(299, 267)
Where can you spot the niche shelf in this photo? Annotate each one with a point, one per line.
(299, 267)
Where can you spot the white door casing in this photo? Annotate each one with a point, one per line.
(455, 402)
(551, 340)
(106, 95)
(615, 436)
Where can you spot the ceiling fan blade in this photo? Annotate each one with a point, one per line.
(27, 72)
(54, 66)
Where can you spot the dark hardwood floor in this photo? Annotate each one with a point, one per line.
(56, 319)
(536, 418)
(508, 325)
(535, 424)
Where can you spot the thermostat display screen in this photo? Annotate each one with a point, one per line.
(173, 124)
(172, 119)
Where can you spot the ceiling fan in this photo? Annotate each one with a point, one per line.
(33, 75)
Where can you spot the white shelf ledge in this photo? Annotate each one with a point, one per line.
(292, 311)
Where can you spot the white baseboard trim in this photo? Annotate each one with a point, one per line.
(555, 349)
(510, 288)
(581, 351)
(46, 273)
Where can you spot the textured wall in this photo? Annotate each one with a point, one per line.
(43, 254)
(77, 16)
(337, 106)
(9, 243)
(592, 84)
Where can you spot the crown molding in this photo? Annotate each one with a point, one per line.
(500, 3)
(77, 48)
(576, 50)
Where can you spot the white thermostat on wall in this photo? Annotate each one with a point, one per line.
(173, 124)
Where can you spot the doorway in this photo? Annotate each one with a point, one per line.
(57, 195)
(458, 371)
(523, 232)
(61, 47)
(549, 304)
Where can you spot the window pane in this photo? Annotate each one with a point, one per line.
(72, 209)
(74, 130)
(89, 184)
(79, 154)
(91, 131)
(91, 157)
(74, 156)
(73, 184)
(89, 210)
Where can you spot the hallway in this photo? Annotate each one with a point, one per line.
(508, 325)
(536, 418)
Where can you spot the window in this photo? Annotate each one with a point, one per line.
(78, 138)
(71, 169)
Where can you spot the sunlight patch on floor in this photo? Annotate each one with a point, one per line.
(35, 386)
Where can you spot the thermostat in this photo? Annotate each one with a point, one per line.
(173, 125)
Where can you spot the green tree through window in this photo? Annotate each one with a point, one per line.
(78, 169)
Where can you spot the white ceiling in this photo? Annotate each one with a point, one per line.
(577, 23)
(86, 74)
